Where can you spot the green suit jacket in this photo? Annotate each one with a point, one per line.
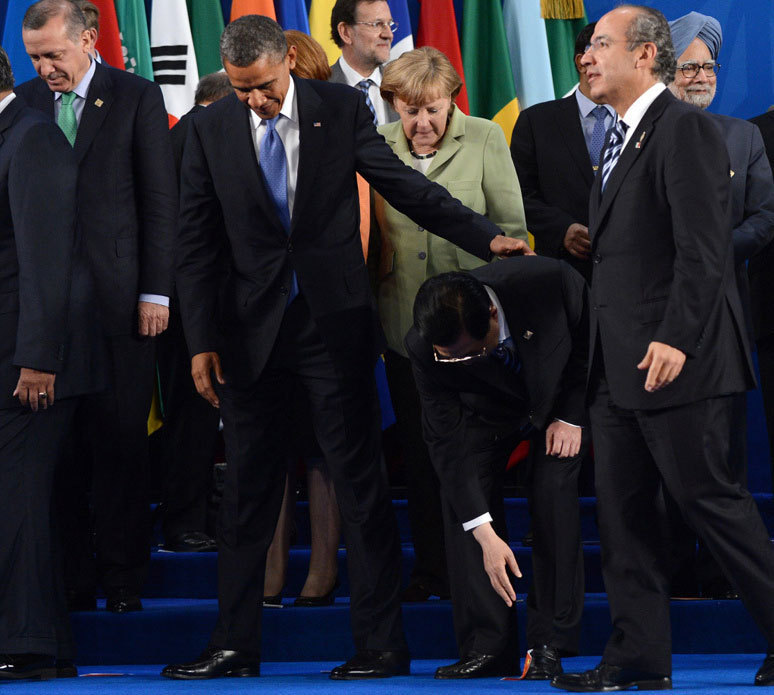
(474, 164)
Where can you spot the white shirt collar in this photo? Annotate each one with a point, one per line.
(353, 76)
(505, 332)
(289, 107)
(6, 100)
(586, 106)
(637, 110)
(82, 88)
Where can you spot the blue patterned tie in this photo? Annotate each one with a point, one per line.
(613, 150)
(598, 136)
(505, 352)
(274, 166)
(363, 86)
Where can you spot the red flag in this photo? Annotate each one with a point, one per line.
(241, 7)
(109, 39)
(438, 28)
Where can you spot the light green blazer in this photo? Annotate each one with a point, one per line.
(474, 164)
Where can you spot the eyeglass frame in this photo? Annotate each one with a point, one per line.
(379, 24)
(483, 352)
(699, 66)
(592, 48)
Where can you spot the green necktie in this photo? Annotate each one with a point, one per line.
(67, 121)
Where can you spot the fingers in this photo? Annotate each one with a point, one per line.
(646, 361)
(218, 370)
(513, 566)
(664, 365)
(143, 324)
(204, 387)
(502, 585)
(550, 441)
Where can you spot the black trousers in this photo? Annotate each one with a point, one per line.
(345, 415)
(482, 621)
(423, 487)
(33, 611)
(766, 368)
(105, 470)
(185, 446)
(686, 448)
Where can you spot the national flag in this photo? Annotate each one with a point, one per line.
(243, 7)
(564, 21)
(133, 24)
(206, 18)
(320, 27)
(528, 45)
(174, 60)
(109, 38)
(438, 28)
(491, 90)
(12, 41)
(402, 39)
(291, 14)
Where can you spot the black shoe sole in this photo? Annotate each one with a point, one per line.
(41, 674)
(659, 684)
(247, 672)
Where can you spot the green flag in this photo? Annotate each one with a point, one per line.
(487, 64)
(133, 26)
(561, 34)
(206, 17)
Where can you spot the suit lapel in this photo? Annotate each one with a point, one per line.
(568, 124)
(99, 100)
(8, 116)
(313, 127)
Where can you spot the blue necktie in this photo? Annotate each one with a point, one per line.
(505, 352)
(363, 86)
(598, 136)
(613, 150)
(274, 166)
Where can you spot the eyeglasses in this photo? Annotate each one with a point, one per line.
(691, 69)
(483, 352)
(603, 43)
(381, 25)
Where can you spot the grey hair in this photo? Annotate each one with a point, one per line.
(6, 73)
(250, 38)
(212, 87)
(650, 26)
(38, 15)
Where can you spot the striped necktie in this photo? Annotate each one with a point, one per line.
(613, 150)
(505, 352)
(66, 119)
(363, 86)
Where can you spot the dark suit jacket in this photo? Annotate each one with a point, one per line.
(127, 195)
(337, 76)
(752, 199)
(178, 134)
(663, 263)
(222, 189)
(760, 267)
(555, 173)
(46, 314)
(466, 406)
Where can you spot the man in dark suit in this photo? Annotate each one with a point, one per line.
(362, 29)
(49, 354)
(668, 347)
(697, 39)
(127, 204)
(269, 177)
(500, 356)
(555, 148)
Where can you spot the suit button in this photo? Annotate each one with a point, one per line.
(597, 258)
(422, 255)
(283, 290)
(595, 307)
(420, 229)
(290, 247)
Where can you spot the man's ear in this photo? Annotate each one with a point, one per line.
(578, 65)
(345, 32)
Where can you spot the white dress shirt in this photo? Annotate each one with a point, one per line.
(637, 110)
(6, 100)
(353, 77)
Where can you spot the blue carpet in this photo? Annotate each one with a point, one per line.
(701, 674)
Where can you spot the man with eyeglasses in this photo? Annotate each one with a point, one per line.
(697, 39)
(499, 356)
(363, 30)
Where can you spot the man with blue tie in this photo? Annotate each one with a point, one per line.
(268, 185)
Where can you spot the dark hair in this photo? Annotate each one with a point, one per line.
(344, 11)
(212, 87)
(90, 12)
(584, 38)
(38, 15)
(6, 73)
(650, 26)
(450, 303)
(250, 38)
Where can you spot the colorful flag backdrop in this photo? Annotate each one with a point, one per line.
(12, 41)
(109, 39)
(206, 17)
(133, 24)
(564, 20)
(291, 14)
(402, 39)
(243, 7)
(320, 27)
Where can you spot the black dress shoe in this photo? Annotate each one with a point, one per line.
(193, 542)
(607, 678)
(720, 591)
(80, 600)
(123, 601)
(317, 601)
(417, 591)
(215, 663)
(542, 664)
(274, 601)
(765, 675)
(37, 667)
(475, 665)
(373, 663)
(65, 668)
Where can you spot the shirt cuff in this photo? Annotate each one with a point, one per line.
(556, 419)
(155, 299)
(478, 521)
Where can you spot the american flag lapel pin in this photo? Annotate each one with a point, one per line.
(98, 103)
(527, 335)
(639, 142)
(317, 124)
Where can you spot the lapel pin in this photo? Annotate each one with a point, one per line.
(639, 142)
(317, 124)
(732, 173)
(98, 103)
(527, 335)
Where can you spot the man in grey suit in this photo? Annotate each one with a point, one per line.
(363, 30)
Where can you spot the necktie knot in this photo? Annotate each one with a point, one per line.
(600, 113)
(271, 124)
(363, 86)
(68, 98)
